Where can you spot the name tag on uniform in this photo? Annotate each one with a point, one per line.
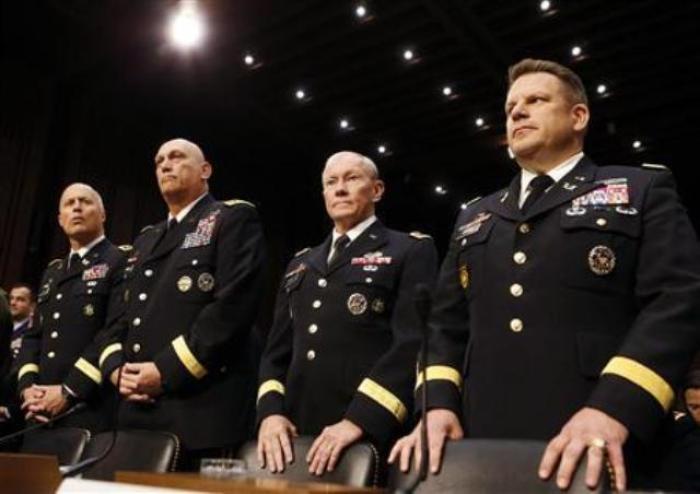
(203, 234)
(612, 191)
(96, 272)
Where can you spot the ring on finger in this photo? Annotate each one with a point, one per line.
(598, 442)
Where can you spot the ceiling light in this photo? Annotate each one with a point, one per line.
(249, 59)
(601, 89)
(545, 5)
(360, 11)
(576, 51)
(186, 28)
(440, 190)
(637, 144)
(300, 94)
(408, 55)
(381, 149)
(446, 90)
(344, 123)
(479, 122)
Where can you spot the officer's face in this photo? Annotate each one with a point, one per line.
(692, 400)
(181, 170)
(541, 119)
(350, 191)
(20, 303)
(80, 214)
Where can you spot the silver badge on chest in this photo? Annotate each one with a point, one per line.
(205, 282)
(357, 304)
(601, 260)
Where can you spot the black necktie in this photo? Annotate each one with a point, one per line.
(74, 261)
(169, 231)
(538, 186)
(338, 246)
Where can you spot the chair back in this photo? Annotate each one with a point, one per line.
(65, 443)
(136, 450)
(485, 466)
(357, 467)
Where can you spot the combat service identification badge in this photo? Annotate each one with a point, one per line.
(205, 282)
(378, 305)
(357, 304)
(601, 260)
(184, 284)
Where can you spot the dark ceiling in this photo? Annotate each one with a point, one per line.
(113, 55)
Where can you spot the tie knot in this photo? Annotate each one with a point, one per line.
(541, 182)
(74, 259)
(172, 223)
(341, 242)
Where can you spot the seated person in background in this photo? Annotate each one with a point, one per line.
(339, 359)
(78, 296)
(22, 305)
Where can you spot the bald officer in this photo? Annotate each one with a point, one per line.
(78, 296)
(193, 289)
(338, 363)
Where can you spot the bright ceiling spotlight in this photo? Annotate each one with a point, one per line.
(440, 190)
(479, 122)
(601, 89)
(186, 29)
(300, 94)
(637, 144)
(408, 55)
(381, 149)
(344, 123)
(576, 51)
(360, 11)
(545, 5)
(446, 90)
(248, 59)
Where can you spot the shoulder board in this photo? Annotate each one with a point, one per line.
(126, 248)
(654, 166)
(419, 235)
(146, 228)
(302, 251)
(56, 263)
(235, 202)
(471, 201)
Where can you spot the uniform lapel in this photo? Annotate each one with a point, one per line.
(505, 203)
(371, 239)
(163, 246)
(318, 255)
(577, 182)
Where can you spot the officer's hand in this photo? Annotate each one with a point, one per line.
(274, 445)
(53, 401)
(4, 414)
(593, 430)
(143, 378)
(31, 397)
(442, 424)
(327, 447)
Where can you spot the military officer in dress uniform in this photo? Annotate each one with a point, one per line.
(574, 294)
(338, 359)
(78, 296)
(181, 354)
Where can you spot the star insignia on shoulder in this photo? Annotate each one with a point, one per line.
(419, 235)
(56, 263)
(146, 228)
(302, 251)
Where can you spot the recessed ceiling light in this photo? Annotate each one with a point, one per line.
(601, 89)
(637, 144)
(249, 59)
(186, 29)
(479, 122)
(545, 5)
(381, 149)
(408, 55)
(576, 51)
(300, 94)
(360, 11)
(344, 123)
(440, 190)
(446, 90)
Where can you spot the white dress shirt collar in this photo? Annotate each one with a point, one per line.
(84, 250)
(352, 233)
(557, 173)
(184, 211)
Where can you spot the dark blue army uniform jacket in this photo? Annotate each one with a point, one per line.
(73, 305)
(591, 298)
(344, 340)
(192, 299)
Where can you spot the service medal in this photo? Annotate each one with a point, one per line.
(463, 276)
(184, 284)
(89, 310)
(205, 282)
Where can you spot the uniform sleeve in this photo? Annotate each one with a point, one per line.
(637, 385)
(382, 401)
(276, 359)
(85, 376)
(229, 318)
(449, 335)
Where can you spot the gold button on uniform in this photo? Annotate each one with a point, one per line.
(148, 273)
(520, 257)
(524, 228)
(310, 355)
(516, 289)
(142, 297)
(136, 321)
(59, 296)
(136, 348)
(316, 304)
(368, 280)
(54, 334)
(51, 354)
(516, 325)
(601, 222)
(313, 328)
(56, 315)
(322, 283)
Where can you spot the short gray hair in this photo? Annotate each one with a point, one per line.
(365, 162)
(98, 197)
